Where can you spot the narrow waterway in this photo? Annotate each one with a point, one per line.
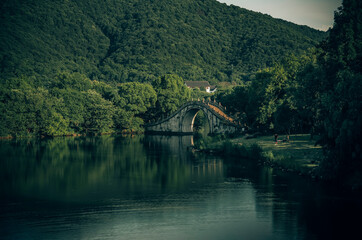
(154, 187)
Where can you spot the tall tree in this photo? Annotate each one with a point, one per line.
(171, 94)
(98, 115)
(279, 107)
(342, 98)
(133, 102)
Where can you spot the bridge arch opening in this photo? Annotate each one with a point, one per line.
(188, 121)
(183, 120)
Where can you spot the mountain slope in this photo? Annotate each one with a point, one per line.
(119, 40)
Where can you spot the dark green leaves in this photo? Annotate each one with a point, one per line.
(121, 41)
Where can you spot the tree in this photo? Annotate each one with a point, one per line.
(280, 106)
(76, 81)
(308, 94)
(171, 94)
(256, 93)
(136, 97)
(236, 100)
(134, 101)
(98, 115)
(341, 103)
(31, 111)
(277, 108)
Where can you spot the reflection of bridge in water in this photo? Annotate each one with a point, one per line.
(182, 121)
(174, 145)
(179, 147)
(200, 167)
(210, 167)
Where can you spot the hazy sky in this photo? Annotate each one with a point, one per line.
(314, 13)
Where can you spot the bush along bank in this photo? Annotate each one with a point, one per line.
(300, 155)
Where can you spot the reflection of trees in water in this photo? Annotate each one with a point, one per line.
(59, 167)
(82, 167)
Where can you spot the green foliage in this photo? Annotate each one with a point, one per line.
(235, 98)
(75, 81)
(318, 92)
(85, 109)
(307, 95)
(341, 102)
(218, 144)
(98, 115)
(136, 97)
(31, 111)
(171, 94)
(208, 142)
(122, 41)
(196, 93)
(49, 51)
(72, 105)
(201, 124)
(269, 99)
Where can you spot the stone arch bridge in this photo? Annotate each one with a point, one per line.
(181, 122)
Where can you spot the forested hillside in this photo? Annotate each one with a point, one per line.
(135, 40)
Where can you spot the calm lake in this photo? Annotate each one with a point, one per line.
(154, 187)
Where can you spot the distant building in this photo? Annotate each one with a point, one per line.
(202, 85)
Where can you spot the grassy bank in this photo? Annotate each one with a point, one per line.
(299, 154)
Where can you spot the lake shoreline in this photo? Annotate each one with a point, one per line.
(124, 132)
(300, 155)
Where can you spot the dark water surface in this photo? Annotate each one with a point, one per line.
(152, 187)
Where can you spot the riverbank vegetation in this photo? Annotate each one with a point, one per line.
(73, 104)
(299, 154)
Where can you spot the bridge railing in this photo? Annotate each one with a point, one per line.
(218, 110)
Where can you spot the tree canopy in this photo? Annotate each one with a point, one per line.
(122, 41)
(74, 104)
(341, 103)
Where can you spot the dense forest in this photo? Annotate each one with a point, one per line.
(123, 40)
(319, 93)
(80, 67)
(75, 67)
